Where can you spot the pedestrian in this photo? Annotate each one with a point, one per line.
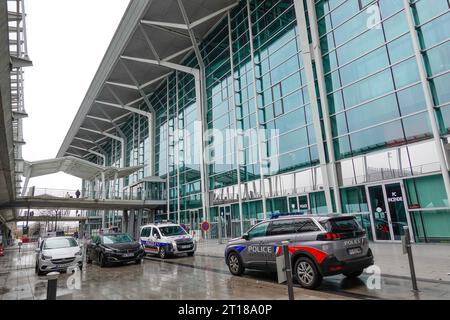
(77, 193)
(67, 195)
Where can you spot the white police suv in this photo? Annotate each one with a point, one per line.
(164, 239)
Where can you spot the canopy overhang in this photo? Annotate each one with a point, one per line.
(76, 167)
(152, 40)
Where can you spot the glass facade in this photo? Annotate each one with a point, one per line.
(255, 79)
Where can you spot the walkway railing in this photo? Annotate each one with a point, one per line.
(89, 195)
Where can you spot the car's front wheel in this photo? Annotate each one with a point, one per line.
(102, 260)
(306, 273)
(38, 272)
(353, 274)
(235, 264)
(162, 252)
(138, 261)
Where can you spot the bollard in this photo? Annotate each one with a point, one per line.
(407, 245)
(52, 285)
(288, 269)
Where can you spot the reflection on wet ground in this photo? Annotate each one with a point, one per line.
(197, 277)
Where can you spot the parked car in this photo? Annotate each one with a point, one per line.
(114, 248)
(58, 254)
(320, 246)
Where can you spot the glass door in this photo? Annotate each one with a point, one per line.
(380, 216)
(293, 204)
(194, 222)
(298, 204)
(397, 209)
(388, 211)
(225, 219)
(303, 203)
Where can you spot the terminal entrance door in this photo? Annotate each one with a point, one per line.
(225, 216)
(298, 204)
(388, 211)
(194, 223)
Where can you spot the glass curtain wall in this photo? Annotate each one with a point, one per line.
(374, 94)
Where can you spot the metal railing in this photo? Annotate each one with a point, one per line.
(49, 193)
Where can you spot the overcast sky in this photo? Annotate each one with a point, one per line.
(66, 42)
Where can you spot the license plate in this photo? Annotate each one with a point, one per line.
(185, 247)
(353, 251)
(127, 255)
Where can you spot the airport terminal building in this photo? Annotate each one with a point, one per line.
(235, 110)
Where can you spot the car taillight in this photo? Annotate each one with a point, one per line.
(329, 236)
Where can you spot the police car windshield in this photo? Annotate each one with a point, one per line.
(117, 238)
(172, 231)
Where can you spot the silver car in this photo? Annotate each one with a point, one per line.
(58, 254)
(319, 245)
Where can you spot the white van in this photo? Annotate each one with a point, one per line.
(164, 239)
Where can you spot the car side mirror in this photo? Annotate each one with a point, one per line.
(245, 236)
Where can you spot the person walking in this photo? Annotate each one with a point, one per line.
(77, 194)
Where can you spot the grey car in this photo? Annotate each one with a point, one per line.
(320, 246)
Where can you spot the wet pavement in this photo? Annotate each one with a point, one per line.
(199, 278)
(431, 260)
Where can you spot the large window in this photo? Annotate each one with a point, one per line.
(259, 230)
(374, 94)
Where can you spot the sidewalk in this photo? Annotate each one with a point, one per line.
(431, 261)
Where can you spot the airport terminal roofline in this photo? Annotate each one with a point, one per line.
(79, 168)
(152, 40)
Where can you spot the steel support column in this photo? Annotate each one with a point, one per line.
(238, 136)
(258, 135)
(428, 96)
(307, 58)
(317, 52)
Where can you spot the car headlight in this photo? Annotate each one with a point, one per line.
(44, 257)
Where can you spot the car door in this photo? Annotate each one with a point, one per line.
(144, 237)
(254, 253)
(279, 231)
(154, 240)
(96, 248)
(90, 249)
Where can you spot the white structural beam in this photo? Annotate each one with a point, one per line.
(258, 132)
(200, 92)
(84, 140)
(123, 85)
(428, 96)
(125, 107)
(91, 151)
(308, 58)
(166, 64)
(149, 42)
(143, 86)
(317, 53)
(164, 24)
(177, 54)
(212, 15)
(187, 25)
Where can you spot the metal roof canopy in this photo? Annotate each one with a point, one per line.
(153, 38)
(76, 167)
